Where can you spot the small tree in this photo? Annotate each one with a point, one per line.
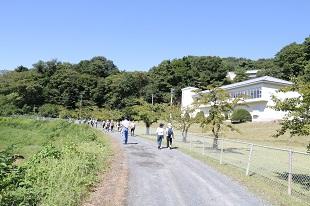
(180, 118)
(147, 113)
(219, 104)
(297, 119)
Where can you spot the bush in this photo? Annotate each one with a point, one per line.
(241, 115)
(200, 116)
(49, 110)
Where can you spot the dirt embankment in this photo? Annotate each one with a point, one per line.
(113, 186)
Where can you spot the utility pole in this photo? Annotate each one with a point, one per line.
(171, 98)
(81, 99)
(152, 99)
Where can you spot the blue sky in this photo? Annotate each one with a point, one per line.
(139, 34)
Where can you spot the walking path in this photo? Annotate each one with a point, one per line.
(168, 177)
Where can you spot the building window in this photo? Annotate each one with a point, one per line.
(250, 93)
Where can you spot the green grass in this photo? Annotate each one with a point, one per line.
(253, 132)
(261, 133)
(61, 162)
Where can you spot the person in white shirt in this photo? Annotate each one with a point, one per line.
(160, 134)
(125, 125)
(169, 135)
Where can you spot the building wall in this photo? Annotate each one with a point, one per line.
(259, 108)
(187, 96)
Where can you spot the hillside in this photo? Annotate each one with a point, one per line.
(55, 88)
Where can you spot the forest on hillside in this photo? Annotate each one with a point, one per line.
(99, 84)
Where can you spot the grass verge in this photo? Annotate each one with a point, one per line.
(61, 161)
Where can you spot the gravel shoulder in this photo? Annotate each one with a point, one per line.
(112, 188)
(169, 177)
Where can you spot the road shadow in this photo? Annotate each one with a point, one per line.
(301, 179)
(168, 147)
(226, 150)
(132, 143)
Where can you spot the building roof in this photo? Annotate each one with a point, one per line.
(264, 79)
(251, 71)
(189, 88)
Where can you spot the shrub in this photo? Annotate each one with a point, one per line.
(200, 116)
(241, 115)
(49, 110)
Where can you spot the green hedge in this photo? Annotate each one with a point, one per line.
(241, 115)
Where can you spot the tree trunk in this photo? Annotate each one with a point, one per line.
(147, 130)
(216, 136)
(183, 133)
(215, 143)
(184, 136)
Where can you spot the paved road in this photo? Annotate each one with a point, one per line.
(168, 177)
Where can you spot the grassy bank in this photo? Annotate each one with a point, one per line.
(48, 162)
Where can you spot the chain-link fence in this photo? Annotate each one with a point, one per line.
(287, 170)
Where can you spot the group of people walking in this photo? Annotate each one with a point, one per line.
(161, 132)
(111, 125)
(168, 132)
(126, 126)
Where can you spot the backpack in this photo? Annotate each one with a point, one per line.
(170, 132)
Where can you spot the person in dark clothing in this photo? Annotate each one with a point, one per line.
(169, 135)
(132, 128)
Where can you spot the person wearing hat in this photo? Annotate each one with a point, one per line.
(160, 134)
(169, 135)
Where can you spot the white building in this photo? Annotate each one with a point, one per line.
(250, 73)
(258, 102)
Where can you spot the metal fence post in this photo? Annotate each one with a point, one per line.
(289, 189)
(203, 147)
(221, 154)
(190, 143)
(249, 160)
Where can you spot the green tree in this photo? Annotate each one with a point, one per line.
(46, 68)
(291, 60)
(297, 119)
(120, 90)
(268, 67)
(98, 66)
(9, 104)
(21, 68)
(147, 113)
(49, 110)
(180, 73)
(240, 75)
(219, 103)
(180, 118)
